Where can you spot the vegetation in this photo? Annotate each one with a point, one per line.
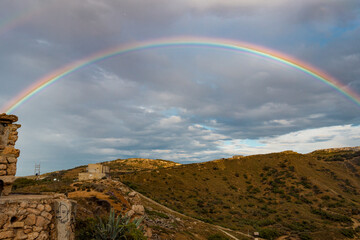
(47, 184)
(306, 195)
(115, 228)
(217, 237)
(269, 233)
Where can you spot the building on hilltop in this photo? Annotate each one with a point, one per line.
(95, 171)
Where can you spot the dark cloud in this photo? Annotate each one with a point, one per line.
(182, 104)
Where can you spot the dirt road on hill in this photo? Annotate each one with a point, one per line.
(226, 231)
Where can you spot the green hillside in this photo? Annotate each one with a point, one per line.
(311, 196)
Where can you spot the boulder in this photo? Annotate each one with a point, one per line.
(138, 209)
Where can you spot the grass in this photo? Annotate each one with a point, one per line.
(306, 195)
(253, 191)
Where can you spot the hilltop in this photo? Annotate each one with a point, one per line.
(286, 194)
(121, 166)
(307, 196)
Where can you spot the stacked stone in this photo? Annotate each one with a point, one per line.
(38, 219)
(26, 220)
(8, 153)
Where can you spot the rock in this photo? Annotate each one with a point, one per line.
(3, 160)
(136, 200)
(130, 213)
(3, 166)
(6, 190)
(11, 160)
(46, 215)
(18, 225)
(23, 204)
(2, 172)
(40, 207)
(11, 151)
(138, 209)
(7, 234)
(3, 219)
(132, 194)
(4, 118)
(33, 205)
(148, 233)
(13, 138)
(11, 169)
(33, 235)
(30, 220)
(20, 235)
(34, 211)
(48, 208)
(11, 212)
(8, 179)
(41, 221)
(37, 229)
(43, 236)
(22, 212)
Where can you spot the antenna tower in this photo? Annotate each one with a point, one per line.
(37, 169)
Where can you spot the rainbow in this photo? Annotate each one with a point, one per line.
(179, 42)
(18, 20)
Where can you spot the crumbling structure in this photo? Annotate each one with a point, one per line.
(8, 153)
(95, 171)
(29, 216)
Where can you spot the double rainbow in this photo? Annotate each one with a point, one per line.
(179, 42)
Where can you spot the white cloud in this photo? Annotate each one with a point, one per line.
(301, 141)
(170, 121)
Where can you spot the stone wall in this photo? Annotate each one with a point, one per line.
(37, 217)
(8, 153)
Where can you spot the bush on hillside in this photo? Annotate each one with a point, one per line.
(113, 228)
(348, 232)
(269, 233)
(217, 236)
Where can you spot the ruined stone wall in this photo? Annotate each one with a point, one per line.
(37, 217)
(8, 153)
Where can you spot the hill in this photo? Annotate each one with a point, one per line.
(287, 195)
(96, 197)
(121, 166)
(307, 196)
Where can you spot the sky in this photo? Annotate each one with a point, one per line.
(185, 104)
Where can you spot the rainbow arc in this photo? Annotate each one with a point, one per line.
(225, 44)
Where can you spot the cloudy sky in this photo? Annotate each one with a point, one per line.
(184, 104)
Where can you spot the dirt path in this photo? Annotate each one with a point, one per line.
(233, 237)
(222, 229)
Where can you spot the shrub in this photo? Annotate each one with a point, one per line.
(304, 236)
(265, 222)
(217, 236)
(330, 216)
(23, 182)
(85, 228)
(269, 233)
(117, 228)
(347, 232)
